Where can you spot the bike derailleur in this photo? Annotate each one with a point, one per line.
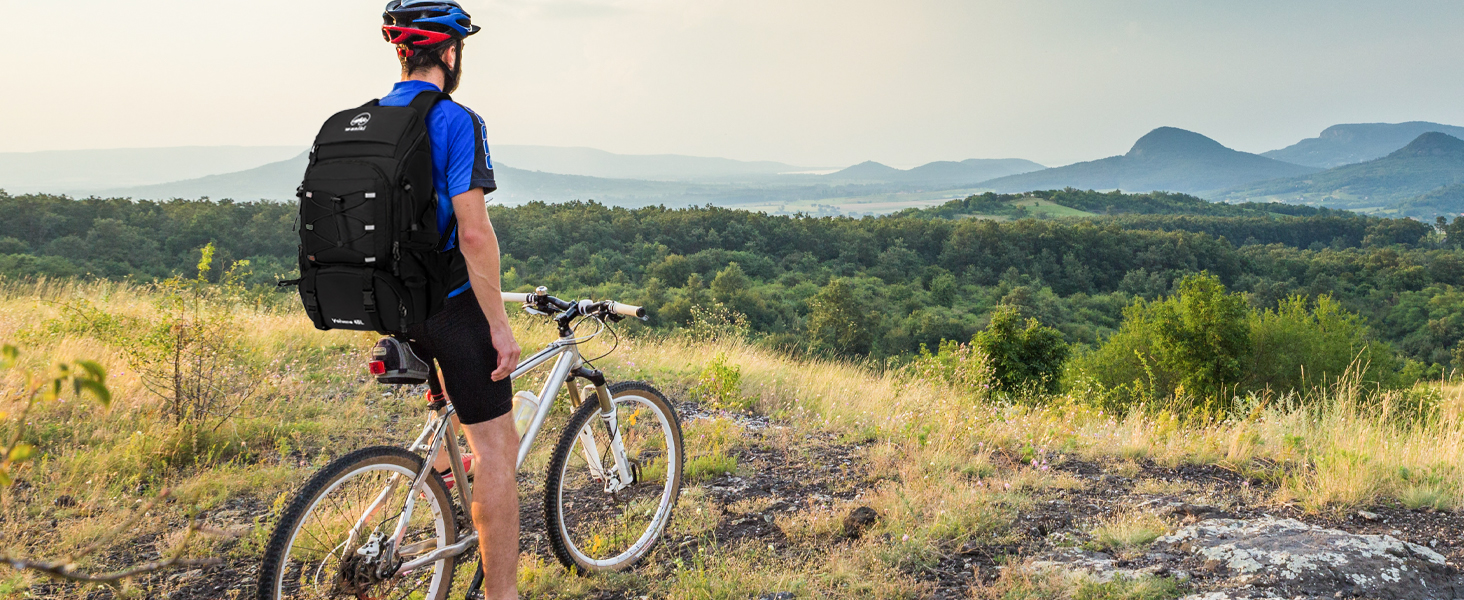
(370, 565)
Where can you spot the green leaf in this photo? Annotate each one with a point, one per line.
(96, 388)
(8, 355)
(5, 478)
(93, 369)
(22, 452)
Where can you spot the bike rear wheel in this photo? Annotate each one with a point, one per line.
(322, 545)
(592, 529)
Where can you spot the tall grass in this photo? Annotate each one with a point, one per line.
(1331, 448)
(1340, 446)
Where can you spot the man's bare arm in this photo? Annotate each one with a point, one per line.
(479, 244)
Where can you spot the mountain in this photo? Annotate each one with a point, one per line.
(1350, 144)
(943, 173)
(1431, 161)
(277, 181)
(81, 171)
(1166, 159)
(658, 167)
(867, 171)
(969, 172)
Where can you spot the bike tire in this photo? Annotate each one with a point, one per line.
(271, 573)
(567, 553)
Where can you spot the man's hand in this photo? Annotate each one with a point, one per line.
(508, 352)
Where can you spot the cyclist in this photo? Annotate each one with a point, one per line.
(470, 339)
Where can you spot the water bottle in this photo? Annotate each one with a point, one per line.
(525, 407)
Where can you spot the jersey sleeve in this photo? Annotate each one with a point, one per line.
(469, 165)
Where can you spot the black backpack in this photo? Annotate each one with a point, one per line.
(371, 257)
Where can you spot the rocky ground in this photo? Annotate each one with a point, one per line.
(1223, 538)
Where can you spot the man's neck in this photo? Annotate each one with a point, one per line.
(432, 76)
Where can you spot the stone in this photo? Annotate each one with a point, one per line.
(1371, 516)
(1098, 566)
(858, 520)
(1286, 557)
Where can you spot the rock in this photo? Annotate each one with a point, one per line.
(1191, 513)
(1286, 558)
(64, 502)
(1098, 566)
(778, 596)
(858, 520)
(1371, 516)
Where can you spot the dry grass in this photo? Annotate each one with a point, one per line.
(938, 457)
(1127, 532)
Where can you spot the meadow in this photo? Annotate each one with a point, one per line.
(781, 450)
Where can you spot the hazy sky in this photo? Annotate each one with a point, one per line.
(810, 82)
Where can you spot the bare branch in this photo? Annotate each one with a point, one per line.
(65, 570)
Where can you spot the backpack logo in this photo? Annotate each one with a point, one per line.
(359, 123)
(344, 322)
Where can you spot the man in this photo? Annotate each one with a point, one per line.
(470, 339)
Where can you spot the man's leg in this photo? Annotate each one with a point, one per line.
(495, 503)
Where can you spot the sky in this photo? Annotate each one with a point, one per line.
(816, 83)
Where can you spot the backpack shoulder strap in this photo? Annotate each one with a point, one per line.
(424, 102)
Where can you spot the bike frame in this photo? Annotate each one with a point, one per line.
(440, 430)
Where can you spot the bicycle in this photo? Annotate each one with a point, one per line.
(356, 528)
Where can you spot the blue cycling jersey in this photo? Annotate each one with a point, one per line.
(460, 159)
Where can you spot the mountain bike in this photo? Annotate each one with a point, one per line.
(381, 523)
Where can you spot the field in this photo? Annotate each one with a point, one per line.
(961, 483)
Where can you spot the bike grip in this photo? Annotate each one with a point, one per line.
(628, 310)
(512, 297)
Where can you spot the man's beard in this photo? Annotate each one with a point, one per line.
(454, 76)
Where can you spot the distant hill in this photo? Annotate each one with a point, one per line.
(657, 167)
(867, 171)
(1431, 161)
(277, 181)
(1350, 144)
(1166, 159)
(956, 174)
(78, 172)
(1093, 204)
(1445, 201)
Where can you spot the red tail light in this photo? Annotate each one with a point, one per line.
(378, 367)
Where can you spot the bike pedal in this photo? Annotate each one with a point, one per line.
(475, 595)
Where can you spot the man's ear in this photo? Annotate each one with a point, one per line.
(450, 57)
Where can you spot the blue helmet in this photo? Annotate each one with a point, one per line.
(425, 23)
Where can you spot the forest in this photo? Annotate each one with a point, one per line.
(879, 287)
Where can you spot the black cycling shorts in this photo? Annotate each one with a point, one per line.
(461, 341)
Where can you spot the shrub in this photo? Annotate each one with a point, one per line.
(1302, 344)
(957, 364)
(838, 324)
(1193, 345)
(720, 385)
(1022, 357)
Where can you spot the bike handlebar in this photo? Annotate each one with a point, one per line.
(625, 310)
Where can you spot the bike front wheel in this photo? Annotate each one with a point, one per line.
(333, 540)
(602, 516)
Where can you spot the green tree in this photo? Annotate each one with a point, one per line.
(838, 323)
(1023, 355)
(1194, 344)
(1203, 336)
